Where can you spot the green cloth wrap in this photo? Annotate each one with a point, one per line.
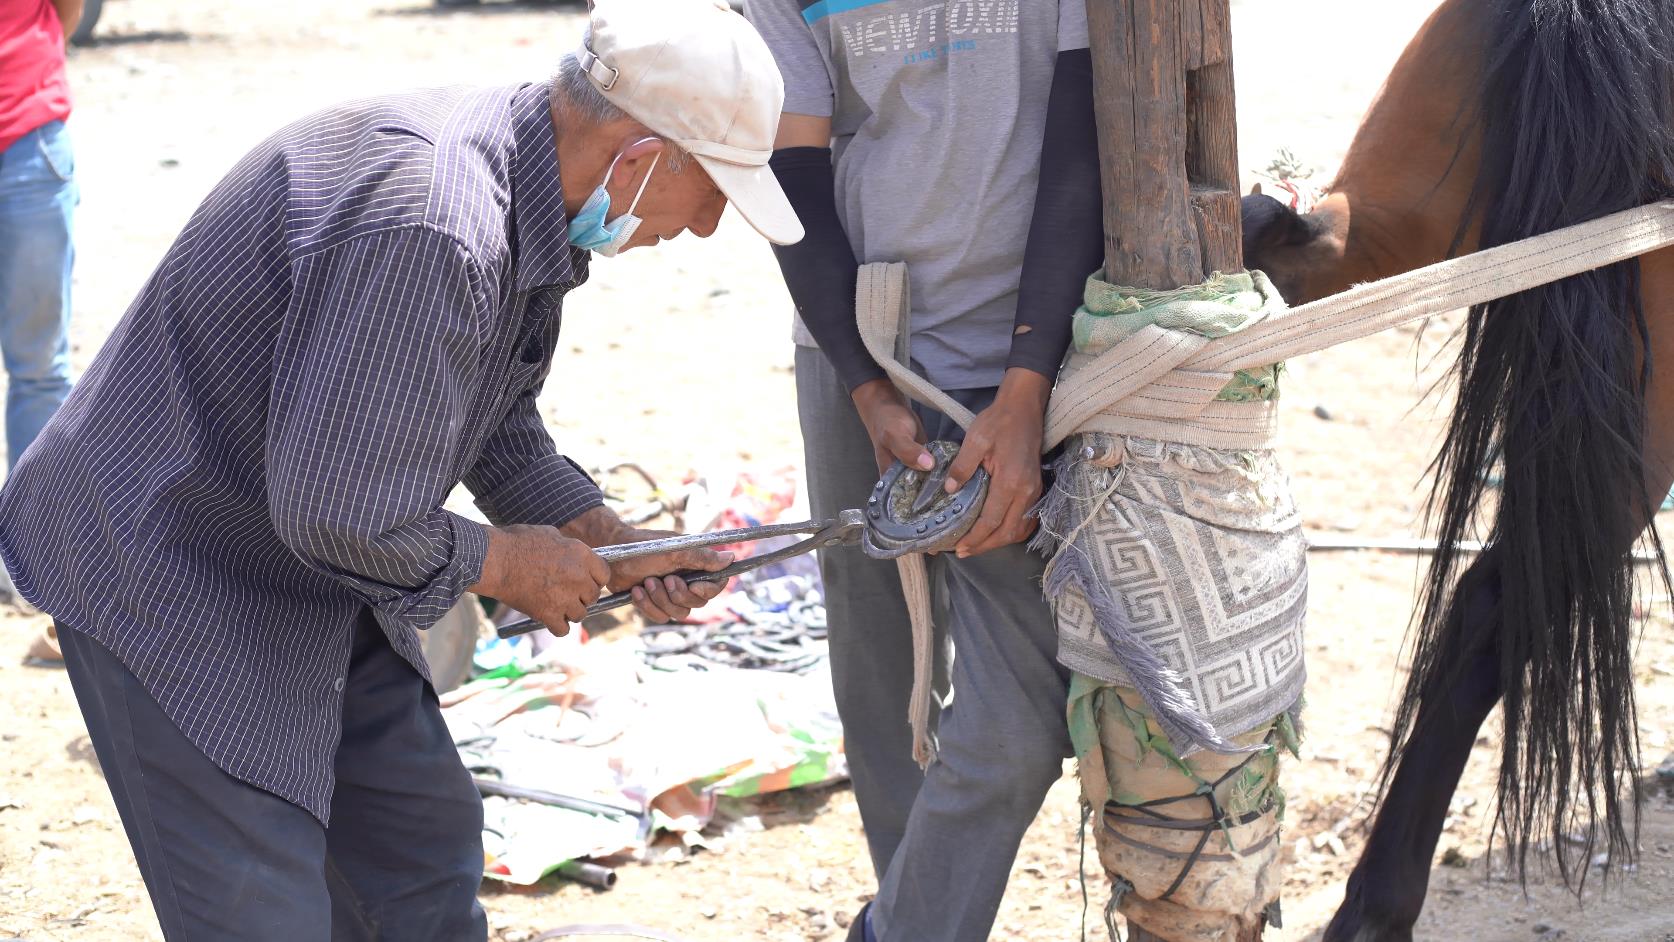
(1223, 305)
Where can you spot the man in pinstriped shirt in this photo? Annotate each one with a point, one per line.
(236, 520)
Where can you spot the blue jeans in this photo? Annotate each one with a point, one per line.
(37, 196)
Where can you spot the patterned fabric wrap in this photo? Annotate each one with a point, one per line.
(1180, 572)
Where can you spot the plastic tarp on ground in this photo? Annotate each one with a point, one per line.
(658, 726)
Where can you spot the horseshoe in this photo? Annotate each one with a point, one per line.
(910, 512)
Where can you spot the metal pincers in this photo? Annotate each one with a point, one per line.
(845, 528)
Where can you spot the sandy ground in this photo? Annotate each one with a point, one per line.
(680, 358)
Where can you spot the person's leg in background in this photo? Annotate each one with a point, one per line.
(37, 199)
(871, 635)
(1002, 743)
(405, 842)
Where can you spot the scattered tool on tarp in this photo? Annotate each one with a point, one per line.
(909, 511)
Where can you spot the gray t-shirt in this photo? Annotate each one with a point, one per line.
(937, 112)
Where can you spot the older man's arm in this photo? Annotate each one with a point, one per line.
(374, 369)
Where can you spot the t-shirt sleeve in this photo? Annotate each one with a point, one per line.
(807, 77)
(1072, 25)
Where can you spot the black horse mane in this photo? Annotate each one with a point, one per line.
(1576, 122)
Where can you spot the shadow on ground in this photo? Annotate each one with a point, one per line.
(494, 8)
(142, 37)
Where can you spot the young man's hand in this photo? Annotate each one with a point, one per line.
(896, 432)
(1004, 440)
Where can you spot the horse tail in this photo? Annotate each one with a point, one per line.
(1575, 118)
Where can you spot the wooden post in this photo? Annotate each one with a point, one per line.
(1168, 154)
(1168, 139)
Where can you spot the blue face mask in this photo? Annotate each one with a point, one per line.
(589, 229)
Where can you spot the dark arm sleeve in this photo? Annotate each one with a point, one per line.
(820, 271)
(1066, 233)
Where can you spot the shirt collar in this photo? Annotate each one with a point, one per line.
(545, 256)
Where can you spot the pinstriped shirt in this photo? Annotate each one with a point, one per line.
(358, 317)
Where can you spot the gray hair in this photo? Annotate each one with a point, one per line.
(573, 93)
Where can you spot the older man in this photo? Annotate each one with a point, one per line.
(237, 521)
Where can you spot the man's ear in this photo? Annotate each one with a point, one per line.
(638, 150)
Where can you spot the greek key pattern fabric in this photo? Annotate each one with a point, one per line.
(1204, 553)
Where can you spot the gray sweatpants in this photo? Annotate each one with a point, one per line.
(943, 840)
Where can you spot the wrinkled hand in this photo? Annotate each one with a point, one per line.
(891, 424)
(542, 573)
(658, 596)
(1005, 441)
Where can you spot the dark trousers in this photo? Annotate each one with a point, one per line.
(223, 860)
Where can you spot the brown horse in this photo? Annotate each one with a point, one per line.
(1504, 119)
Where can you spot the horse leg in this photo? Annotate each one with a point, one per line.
(1386, 890)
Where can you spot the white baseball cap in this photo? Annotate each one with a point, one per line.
(698, 74)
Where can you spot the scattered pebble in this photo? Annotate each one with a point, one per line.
(1321, 412)
(1452, 857)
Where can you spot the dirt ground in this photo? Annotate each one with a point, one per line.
(680, 358)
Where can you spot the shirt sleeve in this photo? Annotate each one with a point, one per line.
(374, 371)
(808, 85)
(1066, 231)
(519, 476)
(820, 270)
(1072, 25)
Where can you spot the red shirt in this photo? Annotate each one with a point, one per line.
(33, 87)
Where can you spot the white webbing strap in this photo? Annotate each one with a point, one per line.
(882, 305)
(1445, 286)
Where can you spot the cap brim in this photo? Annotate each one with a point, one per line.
(756, 194)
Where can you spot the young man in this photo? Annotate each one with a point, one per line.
(237, 521)
(957, 138)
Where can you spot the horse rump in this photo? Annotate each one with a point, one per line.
(1575, 120)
